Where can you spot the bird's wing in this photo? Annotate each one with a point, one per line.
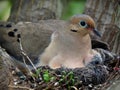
(35, 36)
(99, 44)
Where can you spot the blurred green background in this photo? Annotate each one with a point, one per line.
(5, 6)
(73, 7)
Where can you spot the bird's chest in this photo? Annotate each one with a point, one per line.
(73, 62)
(68, 61)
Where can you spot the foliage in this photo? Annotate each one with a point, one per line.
(73, 7)
(5, 6)
(46, 76)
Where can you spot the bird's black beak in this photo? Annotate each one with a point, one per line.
(97, 32)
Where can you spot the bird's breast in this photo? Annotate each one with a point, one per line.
(74, 62)
(67, 61)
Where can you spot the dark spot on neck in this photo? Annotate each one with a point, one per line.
(15, 30)
(73, 30)
(18, 35)
(11, 34)
(8, 25)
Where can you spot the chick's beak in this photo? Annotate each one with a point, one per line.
(97, 32)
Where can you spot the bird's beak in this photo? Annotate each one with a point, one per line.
(97, 32)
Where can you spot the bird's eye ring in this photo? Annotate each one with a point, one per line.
(83, 24)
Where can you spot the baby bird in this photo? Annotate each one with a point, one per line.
(71, 47)
(56, 43)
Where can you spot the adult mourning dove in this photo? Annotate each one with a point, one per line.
(71, 47)
(56, 43)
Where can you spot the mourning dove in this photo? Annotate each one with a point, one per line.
(56, 43)
(71, 47)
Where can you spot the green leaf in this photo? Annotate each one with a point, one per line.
(46, 76)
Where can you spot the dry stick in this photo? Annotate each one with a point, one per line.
(24, 54)
(20, 87)
(73, 87)
(27, 66)
(21, 48)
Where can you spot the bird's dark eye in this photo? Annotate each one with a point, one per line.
(83, 24)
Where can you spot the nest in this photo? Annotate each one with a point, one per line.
(98, 76)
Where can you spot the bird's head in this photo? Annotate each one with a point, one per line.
(83, 24)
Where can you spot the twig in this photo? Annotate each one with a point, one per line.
(73, 87)
(21, 87)
(25, 55)
(27, 67)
